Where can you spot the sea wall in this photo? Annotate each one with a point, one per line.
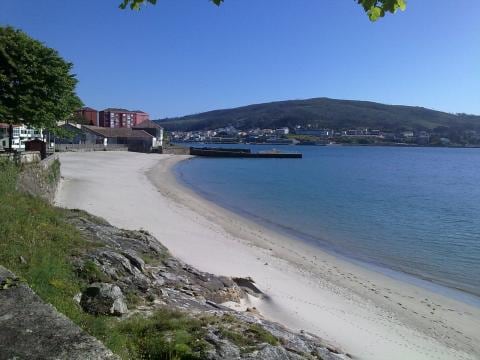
(176, 150)
(40, 178)
(90, 147)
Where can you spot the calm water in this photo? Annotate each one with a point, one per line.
(413, 210)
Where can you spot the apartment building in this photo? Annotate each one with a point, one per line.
(121, 118)
(21, 134)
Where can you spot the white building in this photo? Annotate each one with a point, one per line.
(282, 131)
(21, 134)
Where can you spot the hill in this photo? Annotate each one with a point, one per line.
(324, 113)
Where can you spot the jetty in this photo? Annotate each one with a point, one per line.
(243, 153)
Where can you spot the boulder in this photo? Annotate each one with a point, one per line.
(104, 299)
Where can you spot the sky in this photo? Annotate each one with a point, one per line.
(187, 56)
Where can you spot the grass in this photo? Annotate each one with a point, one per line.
(37, 243)
(54, 174)
(247, 336)
(165, 335)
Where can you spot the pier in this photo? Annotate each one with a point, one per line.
(242, 153)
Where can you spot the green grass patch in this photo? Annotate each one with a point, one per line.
(91, 273)
(248, 337)
(54, 172)
(165, 335)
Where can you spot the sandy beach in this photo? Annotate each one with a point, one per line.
(366, 313)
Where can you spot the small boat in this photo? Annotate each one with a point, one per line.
(242, 153)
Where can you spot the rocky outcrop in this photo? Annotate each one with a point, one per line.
(31, 329)
(103, 299)
(133, 266)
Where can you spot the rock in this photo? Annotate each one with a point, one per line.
(248, 285)
(116, 261)
(326, 354)
(105, 299)
(32, 329)
(7, 279)
(270, 352)
(234, 294)
(254, 311)
(227, 282)
(170, 276)
(222, 349)
(122, 268)
(135, 260)
(227, 350)
(77, 298)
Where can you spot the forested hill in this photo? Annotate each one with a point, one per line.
(324, 113)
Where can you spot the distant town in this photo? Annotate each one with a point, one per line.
(299, 135)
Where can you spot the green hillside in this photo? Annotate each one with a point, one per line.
(324, 113)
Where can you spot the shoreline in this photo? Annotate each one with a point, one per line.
(363, 312)
(430, 284)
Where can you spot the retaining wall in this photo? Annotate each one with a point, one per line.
(40, 178)
(25, 157)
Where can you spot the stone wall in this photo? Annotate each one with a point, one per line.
(25, 157)
(176, 150)
(40, 178)
(90, 147)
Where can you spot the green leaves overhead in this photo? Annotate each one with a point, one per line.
(37, 87)
(375, 9)
(136, 4)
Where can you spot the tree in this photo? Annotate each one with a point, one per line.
(36, 85)
(375, 9)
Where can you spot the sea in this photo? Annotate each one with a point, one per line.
(412, 213)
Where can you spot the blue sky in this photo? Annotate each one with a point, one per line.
(187, 56)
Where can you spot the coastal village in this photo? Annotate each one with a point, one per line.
(307, 135)
(89, 129)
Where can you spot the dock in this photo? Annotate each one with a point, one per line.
(243, 153)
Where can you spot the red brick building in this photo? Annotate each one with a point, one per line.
(140, 117)
(112, 117)
(88, 114)
(116, 118)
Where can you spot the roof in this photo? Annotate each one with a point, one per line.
(5, 126)
(118, 110)
(139, 112)
(147, 124)
(117, 132)
(86, 108)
